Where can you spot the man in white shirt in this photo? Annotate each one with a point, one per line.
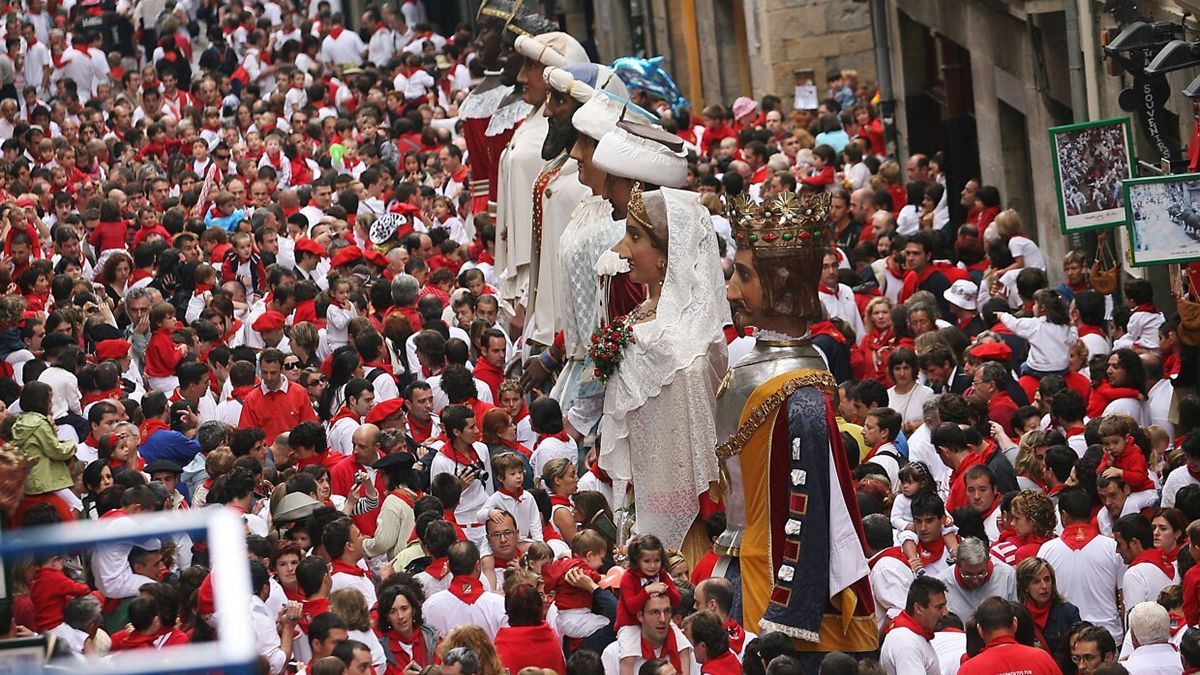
(462, 456)
(360, 398)
(343, 543)
(1086, 564)
(907, 648)
(1148, 571)
(838, 299)
(655, 623)
(114, 576)
(382, 44)
(1153, 653)
(38, 62)
(273, 633)
(467, 600)
(341, 47)
(976, 577)
(891, 574)
(82, 617)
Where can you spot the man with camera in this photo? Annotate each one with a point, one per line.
(468, 459)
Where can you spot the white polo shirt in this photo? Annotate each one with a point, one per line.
(906, 653)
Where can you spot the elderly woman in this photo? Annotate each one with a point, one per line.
(1052, 615)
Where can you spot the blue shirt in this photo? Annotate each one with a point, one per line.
(170, 445)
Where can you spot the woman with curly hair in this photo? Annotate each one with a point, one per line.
(476, 640)
(879, 342)
(1031, 521)
(1052, 615)
(402, 631)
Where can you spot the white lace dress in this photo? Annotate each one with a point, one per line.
(658, 428)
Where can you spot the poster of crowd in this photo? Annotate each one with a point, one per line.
(1090, 162)
(1163, 213)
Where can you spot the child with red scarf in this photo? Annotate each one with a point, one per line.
(1144, 321)
(1123, 459)
(162, 354)
(647, 576)
(50, 590)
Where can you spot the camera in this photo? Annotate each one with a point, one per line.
(481, 473)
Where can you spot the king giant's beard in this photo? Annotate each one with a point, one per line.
(559, 139)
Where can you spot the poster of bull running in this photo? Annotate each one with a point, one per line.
(1090, 162)
(1164, 218)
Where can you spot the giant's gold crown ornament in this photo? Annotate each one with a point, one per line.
(782, 222)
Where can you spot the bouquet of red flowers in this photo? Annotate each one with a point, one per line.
(607, 344)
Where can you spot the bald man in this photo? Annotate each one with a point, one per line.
(716, 595)
(354, 475)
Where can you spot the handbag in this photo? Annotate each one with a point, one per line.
(1104, 277)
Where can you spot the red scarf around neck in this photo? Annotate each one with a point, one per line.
(905, 620)
(411, 650)
(669, 650)
(438, 568)
(603, 477)
(467, 589)
(562, 436)
(520, 492)
(1078, 535)
(1154, 557)
(450, 451)
(516, 447)
(150, 426)
(1039, 614)
(341, 567)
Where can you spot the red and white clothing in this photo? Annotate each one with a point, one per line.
(676, 649)
(110, 562)
(1148, 574)
(890, 578)
(1001, 581)
(523, 509)
(1004, 655)
(1177, 479)
(345, 575)
(908, 649)
(465, 601)
(552, 446)
(840, 303)
(475, 495)
(1088, 571)
(341, 431)
(1142, 329)
(342, 48)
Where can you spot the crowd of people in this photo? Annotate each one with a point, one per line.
(510, 364)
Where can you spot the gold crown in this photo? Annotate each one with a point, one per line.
(782, 222)
(637, 208)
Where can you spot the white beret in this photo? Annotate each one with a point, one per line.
(552, 49)
(642, 153)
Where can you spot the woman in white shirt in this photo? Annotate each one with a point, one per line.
(1024, 251)
(907, 395)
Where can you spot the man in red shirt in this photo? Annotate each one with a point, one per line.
(990, 379)
(710, 644)
(997, 624)
(274, 405)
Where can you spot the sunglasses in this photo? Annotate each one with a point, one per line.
(291, 365)
(222, 157)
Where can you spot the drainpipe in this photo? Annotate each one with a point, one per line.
(883, 67)
(1075, 63)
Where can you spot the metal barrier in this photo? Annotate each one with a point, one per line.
(234, 652)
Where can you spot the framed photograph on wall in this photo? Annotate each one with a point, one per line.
(1163, 214)
(1090, 162)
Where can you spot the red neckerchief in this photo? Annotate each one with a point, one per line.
(827, 328)
(237, 326)
(1085, 329)
(150, 426)
(1154, 557)
(962, 325)
(420, 432)
(91, 440)
(1173, 554)
(502, 563)
(821, 287)
(515, 495)
(240, 393)
(669, 649)
(1075, 430)
(340, 567)
(1039, 614)
(438, 568)
(486, 258)
(562, 436)
(139, 274)
(276, 161)
(737, 636)
(1001, 329)
(991, 509)
(516, 447)
(905, 620)
(457, 457)
(115, 513)
(116, 393)
(293, 594)
(560, 500)
(467, 589)
(1194, 474)
(410, 650)
(1146, 307)
(603, 477)
(1178, 622)
(385, 367)
(549, 533)
(344, 413)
